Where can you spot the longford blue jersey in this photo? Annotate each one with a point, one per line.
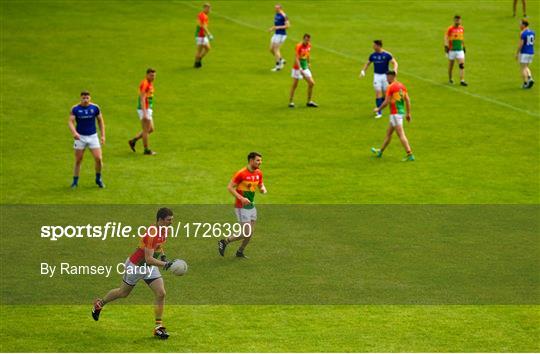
(85, 117)
(279, 20)
(527, 36)
(380, 62)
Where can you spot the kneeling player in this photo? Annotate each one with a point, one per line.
(145, 257)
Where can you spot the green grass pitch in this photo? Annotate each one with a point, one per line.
(474, 145)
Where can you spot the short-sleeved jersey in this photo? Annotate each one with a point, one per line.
(155, 243)
(279, 20)
(246, 184)
(202, 20)
(85, 118)
(396, 92)
(302, 53)
(381, 62)
(527, 37)
(148, 88)
(455, 37)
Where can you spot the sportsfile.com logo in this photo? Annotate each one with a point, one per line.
(113, 229)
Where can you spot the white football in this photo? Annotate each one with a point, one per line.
(179, 267)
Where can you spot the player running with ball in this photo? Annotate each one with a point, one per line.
(243, 186)
(143, 265)
(400, 104)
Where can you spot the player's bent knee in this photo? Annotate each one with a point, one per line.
(462, 65)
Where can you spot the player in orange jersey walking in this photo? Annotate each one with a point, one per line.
(243, 186)
(202, 36)
(398, 99)
(454, 46)
(145, 109)
(302, 70)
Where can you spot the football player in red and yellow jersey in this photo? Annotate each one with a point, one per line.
(202, 35)
(454, 46)
(400, 104)
(302, 70)
(243, 186)
(145, 109)
(143, 265)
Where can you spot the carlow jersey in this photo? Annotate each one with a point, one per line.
(302, 53)
(148, 88)
(455, 37)
(279, 20)
(246, 184)
(396, 91)
(527, 37)
(155, 243)
(380, 61)
(202, 20)
(85, 117)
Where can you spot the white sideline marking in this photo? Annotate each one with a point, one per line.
(348, 56)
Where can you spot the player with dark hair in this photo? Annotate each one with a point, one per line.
(454, 46)
(398, 99)
(525, 53)
(243, 186)
(143, 265)
(82, 124)
(145, 109)
(381, 60)
(202, 36)
(302, 70)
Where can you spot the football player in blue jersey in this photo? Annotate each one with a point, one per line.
(281, 23)
(525, 53)
(381, 60)
(82, 124)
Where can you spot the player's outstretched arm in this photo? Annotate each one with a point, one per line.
(101, 125)
(150, 260)
(363, 71)
(394, 64)
(71, 124)
(384, 104)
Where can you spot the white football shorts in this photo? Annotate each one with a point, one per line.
(87, 141)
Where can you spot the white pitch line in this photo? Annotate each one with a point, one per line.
(348, 56)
